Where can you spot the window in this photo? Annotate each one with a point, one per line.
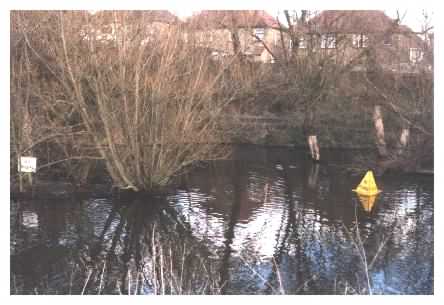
(260, 33)
(328, 41)
(387, 39)
(415, 55)
(360, 41)
(302, 43)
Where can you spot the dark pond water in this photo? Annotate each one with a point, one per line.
(266, 222)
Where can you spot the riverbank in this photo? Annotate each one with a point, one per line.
(353, 162)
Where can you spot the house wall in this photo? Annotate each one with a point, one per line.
(389, 55)
(220, 40)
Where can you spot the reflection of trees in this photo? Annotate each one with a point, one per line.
(311, 239)
(144, 247)
(290, 226)
(229, 232)
(313, 246)
(299, 233)
(249, 186)
(409, 246)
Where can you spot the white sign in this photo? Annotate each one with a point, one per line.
(27, 164)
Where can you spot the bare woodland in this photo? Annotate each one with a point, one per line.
(148, 106)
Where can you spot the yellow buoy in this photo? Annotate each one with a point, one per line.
(367, 187)
(367, 202)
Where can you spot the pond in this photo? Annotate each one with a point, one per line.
(267, 221)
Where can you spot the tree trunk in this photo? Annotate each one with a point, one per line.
(403, 140)
(310, 133)
(27, 141)
(379, 128)
(237, 48)
(314, 147)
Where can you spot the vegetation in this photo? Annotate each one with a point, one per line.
(150, 103)
(147, 108)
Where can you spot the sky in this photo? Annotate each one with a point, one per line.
(412, 17)
(412, 9)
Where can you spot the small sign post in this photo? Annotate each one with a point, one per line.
(26, 165)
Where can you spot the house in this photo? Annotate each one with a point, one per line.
(350, 32)
(158, 23)
(151, 24)
(221, 31)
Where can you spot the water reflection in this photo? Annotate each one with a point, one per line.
(267, 222)
(367, 202)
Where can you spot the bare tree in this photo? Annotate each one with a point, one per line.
(149, 107)
(311, 69)
(405, 93)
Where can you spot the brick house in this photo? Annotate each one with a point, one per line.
(215, 29)
(394, 46)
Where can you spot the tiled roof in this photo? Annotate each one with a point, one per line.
(354, 21)
(228, 18)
